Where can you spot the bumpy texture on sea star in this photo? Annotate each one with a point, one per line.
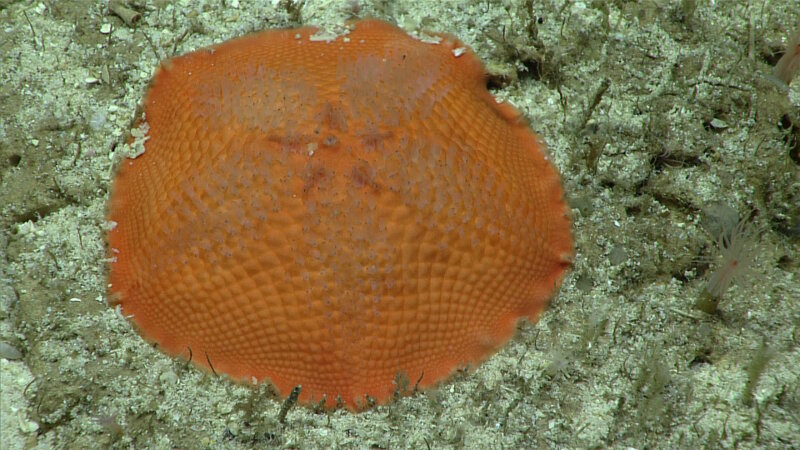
(334, 213)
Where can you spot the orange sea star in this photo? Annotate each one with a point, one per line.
(334, 212)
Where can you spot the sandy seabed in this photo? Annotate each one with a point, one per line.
(663, 119)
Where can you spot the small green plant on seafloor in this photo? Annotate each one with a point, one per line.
(762, 356)
(650, 387)
(737, 251)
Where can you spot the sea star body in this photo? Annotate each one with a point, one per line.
(334, 213)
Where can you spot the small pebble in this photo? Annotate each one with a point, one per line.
(98, 119)
(224, 408)
(28, 426)
(26, 228)
(9, 352)
(106, 28)
(719, 124)
(168, 377)
(618, 255)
